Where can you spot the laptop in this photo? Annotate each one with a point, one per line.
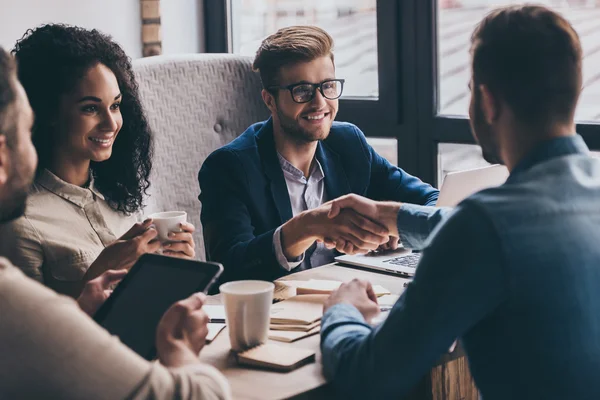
(457, 186)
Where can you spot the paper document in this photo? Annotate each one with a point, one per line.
(294, 327)
(292, 336)
(216, 313)
(299, 310)
(213, 331)
(322, 286)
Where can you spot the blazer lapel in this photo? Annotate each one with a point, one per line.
(272, 168)
(336, 181)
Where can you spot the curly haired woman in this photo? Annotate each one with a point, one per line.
(95, 147)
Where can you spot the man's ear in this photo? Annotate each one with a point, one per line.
(4, 160)
(490, 106)
(269, 100)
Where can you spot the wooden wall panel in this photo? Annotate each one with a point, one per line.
(151, 35)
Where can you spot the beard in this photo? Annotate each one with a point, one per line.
(16, 191)
(14, 207)
(298, 134)
(483, 133)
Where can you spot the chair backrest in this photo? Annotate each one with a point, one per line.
(194, 104)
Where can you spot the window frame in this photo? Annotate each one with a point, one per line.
(407, 106)
(436, 128)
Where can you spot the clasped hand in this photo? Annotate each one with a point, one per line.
(368, 223)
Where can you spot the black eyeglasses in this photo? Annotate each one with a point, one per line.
(304, 92)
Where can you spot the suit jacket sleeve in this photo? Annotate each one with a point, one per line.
(389, 182)
(228, 231)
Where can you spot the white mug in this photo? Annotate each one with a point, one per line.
(247, 312)
(167, 222)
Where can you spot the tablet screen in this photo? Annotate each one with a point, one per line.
(134, 310)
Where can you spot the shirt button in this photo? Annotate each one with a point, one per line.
(218, 128)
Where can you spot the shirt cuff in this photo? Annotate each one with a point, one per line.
(415, 223)
(342, 314)
(340, 323)
(286, 264)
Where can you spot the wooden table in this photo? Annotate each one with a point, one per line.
(449, 378)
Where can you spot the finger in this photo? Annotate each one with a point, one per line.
(177, 254)
(359, 243)
(355, 202)
(152, 247)
(371, 241)
(187, 227)
(371, 293)
(195, 301)
(349, 248)
(384, 247)
(369, 226)
(137, 229)
(178, 315)
(111, 277)
(335, 210)
(340, 244)
(197, 320)
(180, 247)
(394, 242)
(147, 236)
(329, 244)
(196, 329)
(182, 237)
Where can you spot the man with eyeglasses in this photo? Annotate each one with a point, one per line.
(264, 195)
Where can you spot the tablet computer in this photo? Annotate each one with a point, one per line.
(154, 283)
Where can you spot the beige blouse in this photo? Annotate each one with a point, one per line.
(52, 350)
(64, 229)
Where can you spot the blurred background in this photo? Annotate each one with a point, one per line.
(361, 31)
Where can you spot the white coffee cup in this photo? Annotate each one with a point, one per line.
(167, 222)
(247, 312)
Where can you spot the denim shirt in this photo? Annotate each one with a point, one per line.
(514, 272)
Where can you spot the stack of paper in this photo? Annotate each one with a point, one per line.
(216, 318)
(321, 286)
(297, 317)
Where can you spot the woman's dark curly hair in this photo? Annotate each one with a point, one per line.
(51, 60)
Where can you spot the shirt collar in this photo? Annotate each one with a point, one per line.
(73, 193)
(549, 149)
(316, 171)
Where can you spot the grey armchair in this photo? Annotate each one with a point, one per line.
(195, 104)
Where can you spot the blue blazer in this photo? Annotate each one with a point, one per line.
(245, 198)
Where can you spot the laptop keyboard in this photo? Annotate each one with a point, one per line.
(410, 260)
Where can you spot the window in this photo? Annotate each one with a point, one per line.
(407, 67)
(386, 148)
(456, 21)
(351, 23)
(458, 157)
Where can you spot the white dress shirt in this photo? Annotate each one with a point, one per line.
(305, 194)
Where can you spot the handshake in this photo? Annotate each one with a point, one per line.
(351, 224)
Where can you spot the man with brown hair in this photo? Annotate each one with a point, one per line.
(264, 195)
(514, 272)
